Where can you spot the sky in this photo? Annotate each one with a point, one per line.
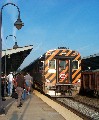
(49, 24)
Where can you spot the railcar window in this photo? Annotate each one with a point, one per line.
(75, 65)
(51, 64)
(62, 64)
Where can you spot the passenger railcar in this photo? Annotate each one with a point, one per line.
(57, 72)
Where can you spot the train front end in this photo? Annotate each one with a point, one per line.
(62, 72)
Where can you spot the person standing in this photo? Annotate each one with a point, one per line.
(20, 81)
(10, 83)
(28, 82)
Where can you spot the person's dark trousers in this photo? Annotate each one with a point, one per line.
(7, 87)
(2, 92)
(13, 90)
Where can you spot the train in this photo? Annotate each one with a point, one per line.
(57, 72)
(90, 76)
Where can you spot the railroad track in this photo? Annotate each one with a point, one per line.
(90, 102)
(89, 112)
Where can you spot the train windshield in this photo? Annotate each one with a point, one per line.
(62, 64)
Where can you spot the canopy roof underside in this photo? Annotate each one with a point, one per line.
(13, 58)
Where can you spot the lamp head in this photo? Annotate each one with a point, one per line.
(15, 46)
(18, 24)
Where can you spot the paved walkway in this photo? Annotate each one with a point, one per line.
(38, 107)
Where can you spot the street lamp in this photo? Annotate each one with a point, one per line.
(18, 25)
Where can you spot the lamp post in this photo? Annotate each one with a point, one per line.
(5, 93)
(18, 25)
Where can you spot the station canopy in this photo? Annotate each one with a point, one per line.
(13, 58)
(90, 62)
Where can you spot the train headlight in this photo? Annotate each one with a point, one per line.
(48, 81)
(79, 80)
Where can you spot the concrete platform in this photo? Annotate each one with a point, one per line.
(38, 107)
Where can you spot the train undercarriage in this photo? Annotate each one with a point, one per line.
(58, 90)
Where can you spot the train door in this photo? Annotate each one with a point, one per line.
(64, 75)
(64, 71)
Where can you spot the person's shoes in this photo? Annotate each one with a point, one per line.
(28, 93)
(3, 99)
(19, 106)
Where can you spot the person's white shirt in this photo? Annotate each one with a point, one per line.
(10, 77)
